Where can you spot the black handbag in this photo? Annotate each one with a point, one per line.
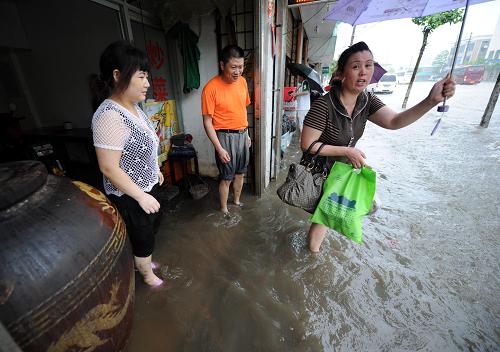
(304, 183)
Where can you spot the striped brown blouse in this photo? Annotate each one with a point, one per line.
(337, 127)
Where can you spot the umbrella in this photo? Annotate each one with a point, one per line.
(366, 11)
(307, 73)
(378, 72)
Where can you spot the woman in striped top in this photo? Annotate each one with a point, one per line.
(338, 118)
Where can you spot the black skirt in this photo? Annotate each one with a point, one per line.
(141, 227)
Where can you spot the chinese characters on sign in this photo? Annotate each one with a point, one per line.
(292, 3)
(156, 57)
(155, 54)
(160, 88)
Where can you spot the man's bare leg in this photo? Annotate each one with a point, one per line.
(237, 187)
(223, 193)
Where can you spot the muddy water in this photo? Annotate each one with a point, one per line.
(426, 277)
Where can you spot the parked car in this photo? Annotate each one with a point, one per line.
(387, 84)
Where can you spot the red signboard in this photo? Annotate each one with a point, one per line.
(160, 88)
(155, 54)
(304, 2)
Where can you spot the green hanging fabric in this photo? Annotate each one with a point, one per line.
(347, 197)
(188, 45)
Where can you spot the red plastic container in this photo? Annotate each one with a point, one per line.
(290, 103)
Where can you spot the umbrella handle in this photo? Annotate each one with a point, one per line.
(444, 107)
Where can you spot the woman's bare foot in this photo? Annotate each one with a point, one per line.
(153, 280)
(145, 268)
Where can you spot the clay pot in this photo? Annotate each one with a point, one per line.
(66, 269)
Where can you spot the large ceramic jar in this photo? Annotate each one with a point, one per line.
(66, 269)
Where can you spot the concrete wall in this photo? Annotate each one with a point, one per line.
(191, 102)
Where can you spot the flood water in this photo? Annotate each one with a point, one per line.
(426, 277)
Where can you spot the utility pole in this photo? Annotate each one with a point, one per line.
(466, 48)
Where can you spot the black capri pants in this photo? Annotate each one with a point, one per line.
(141, 227)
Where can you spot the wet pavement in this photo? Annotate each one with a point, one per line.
(425, 278)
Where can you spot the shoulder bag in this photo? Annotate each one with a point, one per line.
(304, 183)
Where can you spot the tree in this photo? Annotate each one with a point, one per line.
(428, 24)
(333, 66)
(440, 59)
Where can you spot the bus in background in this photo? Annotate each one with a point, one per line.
(471, 74)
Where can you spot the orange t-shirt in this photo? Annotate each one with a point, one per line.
(226, 103)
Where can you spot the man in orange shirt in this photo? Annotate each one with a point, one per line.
(223, 106)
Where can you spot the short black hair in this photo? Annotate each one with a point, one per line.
(121, 56)
(344, 57)
(231, 52)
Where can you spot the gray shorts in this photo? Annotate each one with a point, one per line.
(237, 147)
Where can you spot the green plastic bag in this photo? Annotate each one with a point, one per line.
(347, 197)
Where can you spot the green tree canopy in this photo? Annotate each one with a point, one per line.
(441, 58)
(431, 22)
(428, 24)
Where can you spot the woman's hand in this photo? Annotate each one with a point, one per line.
(148, 203)
(441, 89)
(356, 157)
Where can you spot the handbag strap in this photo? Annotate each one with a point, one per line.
(311, 163)
(308, 157)
(319, 149)
(308, 151)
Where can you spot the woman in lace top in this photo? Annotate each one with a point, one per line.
(127, 147)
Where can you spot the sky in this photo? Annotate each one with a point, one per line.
(398, 42)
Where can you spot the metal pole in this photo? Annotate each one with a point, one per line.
(485, 120)
(281, 28)
(443, 108)
(459, 38)
(352, 35)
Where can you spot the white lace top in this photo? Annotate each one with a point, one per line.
(115, 128)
